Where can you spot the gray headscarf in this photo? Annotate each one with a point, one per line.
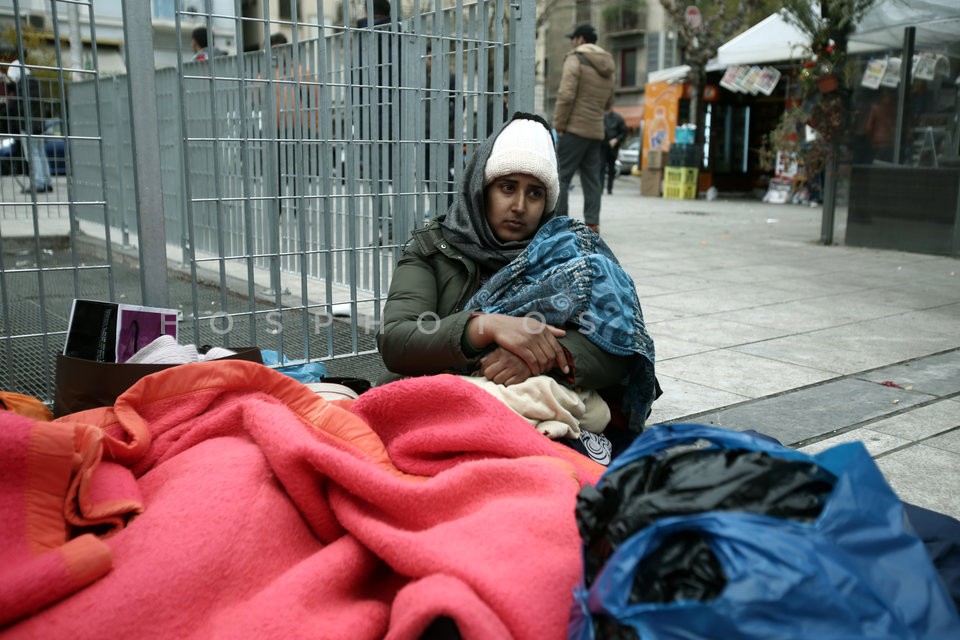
(465, 223)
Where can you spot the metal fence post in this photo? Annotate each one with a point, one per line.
(138, 49)
(122, 209)
(523, 56)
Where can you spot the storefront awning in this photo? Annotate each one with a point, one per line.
(670, 75)
(632, 114)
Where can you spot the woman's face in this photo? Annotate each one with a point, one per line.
(515, 204)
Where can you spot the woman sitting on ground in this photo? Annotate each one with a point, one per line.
(500, 288)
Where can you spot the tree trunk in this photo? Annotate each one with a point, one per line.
(830, 195)
(832, 170)
(698, 77)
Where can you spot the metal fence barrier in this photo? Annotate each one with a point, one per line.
(279, 187)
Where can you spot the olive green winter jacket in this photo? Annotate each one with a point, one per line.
(424, 318)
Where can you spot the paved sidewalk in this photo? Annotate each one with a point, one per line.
(758, 325)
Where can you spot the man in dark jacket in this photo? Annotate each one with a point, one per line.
(25, 115)
(614, 133)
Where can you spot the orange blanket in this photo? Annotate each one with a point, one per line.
(232, 501)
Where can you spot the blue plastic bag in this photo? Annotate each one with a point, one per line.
(299, 370)
(853, 573)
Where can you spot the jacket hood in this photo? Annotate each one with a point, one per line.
(465, 223)
(598, 58)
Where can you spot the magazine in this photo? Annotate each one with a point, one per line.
(728, 81)
(873, 74)
(753, 77)
(767, 82)
(924, 66)
(891, 75)
(112, 331)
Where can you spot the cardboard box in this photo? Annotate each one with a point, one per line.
(656, 158)
(650, 182)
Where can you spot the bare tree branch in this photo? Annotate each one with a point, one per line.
(544, 9)
(719, 21)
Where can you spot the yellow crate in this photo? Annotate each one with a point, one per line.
(680, 191)
(680, 175)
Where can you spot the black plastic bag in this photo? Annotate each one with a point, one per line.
(817, 546)
(688, 481)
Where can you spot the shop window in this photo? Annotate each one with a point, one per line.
(628, 67)
(285, 9)
(163, 9)
(623, 15)
(657, 43)
(583, 11)
(931, 119)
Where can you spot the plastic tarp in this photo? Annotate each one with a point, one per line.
(937, 22)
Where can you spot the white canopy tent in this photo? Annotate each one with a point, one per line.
(774, 39)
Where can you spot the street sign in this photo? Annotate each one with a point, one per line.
(693, 17)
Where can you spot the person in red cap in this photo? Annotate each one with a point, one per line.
(585, 94)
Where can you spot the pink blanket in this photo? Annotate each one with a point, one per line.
(259, 509)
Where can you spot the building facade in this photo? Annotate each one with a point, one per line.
(635, 32)
(172, 37)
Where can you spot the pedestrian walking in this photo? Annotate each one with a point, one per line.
(585, 94)
(200, 42)
(614, 133)
(24, 112)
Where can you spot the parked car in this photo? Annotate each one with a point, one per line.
(11, 157)
(629, 155)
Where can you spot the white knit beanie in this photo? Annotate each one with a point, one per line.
(525, 146)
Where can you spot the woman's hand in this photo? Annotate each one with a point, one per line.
(532, 341)
(503, 367)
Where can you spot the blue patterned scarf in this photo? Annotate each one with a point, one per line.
(568, 275)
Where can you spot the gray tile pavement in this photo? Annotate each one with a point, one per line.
(759, 325)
